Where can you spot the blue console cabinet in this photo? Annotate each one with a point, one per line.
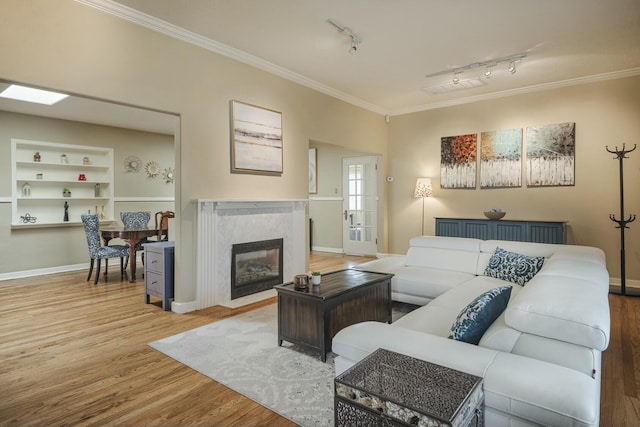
(486, 229)
(158, 272)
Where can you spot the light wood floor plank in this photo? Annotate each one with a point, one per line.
(76, 354)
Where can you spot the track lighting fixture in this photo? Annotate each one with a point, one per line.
(489, 65)
(355, 40)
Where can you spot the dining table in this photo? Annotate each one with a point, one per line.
(132, 236)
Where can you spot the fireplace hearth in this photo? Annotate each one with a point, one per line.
(256, 266)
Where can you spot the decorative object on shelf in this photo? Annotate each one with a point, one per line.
(102, 216)
(38, 176)
(96, 190)
(28, 219)
(256, 140)
(622, 222)
(26, 190)
(66, 212)
(82, 177)
(66, 192)
(423, 189)
(495, 213)
(132, 164)
(64, 159)
(152, 168)
(316, 277)
(86, 161)
(168, 175)
(36, 157)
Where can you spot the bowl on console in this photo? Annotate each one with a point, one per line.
(494, 214)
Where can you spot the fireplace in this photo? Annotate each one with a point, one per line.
(256, 267)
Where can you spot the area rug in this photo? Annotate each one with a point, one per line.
(242, 353)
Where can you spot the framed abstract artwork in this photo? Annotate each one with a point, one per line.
(313, 170)
(501, 158)
(256, 139)
(458, 161)
(551, 155)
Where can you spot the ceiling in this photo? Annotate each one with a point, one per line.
(565, 41)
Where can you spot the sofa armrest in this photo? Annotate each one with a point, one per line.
(542, 392)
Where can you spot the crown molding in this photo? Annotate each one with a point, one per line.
(179, 33)
(529, 89)
(155, 24)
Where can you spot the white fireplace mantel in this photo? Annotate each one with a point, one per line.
(224, 222)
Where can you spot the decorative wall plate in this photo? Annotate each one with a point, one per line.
(152, 168)
(132, 164)
(168, 175)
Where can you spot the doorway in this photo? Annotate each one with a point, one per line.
(360, 205)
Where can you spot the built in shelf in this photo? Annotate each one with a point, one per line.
(59, 167)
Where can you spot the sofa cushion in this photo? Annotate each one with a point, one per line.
(427, 282)
(476, 317)
(579, 313)
(513, 267)
(444, 253)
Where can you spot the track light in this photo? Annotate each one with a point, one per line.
(489, 65)
(355, 40)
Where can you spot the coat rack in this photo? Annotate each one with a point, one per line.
(622, 222)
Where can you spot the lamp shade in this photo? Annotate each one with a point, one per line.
(423, 188)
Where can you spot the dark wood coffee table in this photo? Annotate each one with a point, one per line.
(311, 317)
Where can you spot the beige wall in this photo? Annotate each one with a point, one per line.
(605, 113)
(70, 47)
(31, 249)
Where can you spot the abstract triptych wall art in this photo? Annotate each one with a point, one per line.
(458, 161)
(501, 158)
(551, 155)
(550, 158)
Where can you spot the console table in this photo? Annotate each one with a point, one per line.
(501, 229)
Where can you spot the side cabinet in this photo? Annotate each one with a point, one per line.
(485, 229)
(158, 272)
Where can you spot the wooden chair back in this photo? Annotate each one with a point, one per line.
(162, 224)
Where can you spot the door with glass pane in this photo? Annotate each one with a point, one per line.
(360, 199)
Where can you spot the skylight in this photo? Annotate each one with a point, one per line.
(28, 94)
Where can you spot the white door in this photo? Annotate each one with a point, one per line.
(360, 201)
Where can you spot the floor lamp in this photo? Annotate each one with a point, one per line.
(423, 190)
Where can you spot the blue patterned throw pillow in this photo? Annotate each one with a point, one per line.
(475, 318)
(513, 267)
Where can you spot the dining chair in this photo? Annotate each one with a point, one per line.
(97, 251)
(162, 224)
(138, 219)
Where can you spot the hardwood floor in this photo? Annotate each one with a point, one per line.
(76, 354)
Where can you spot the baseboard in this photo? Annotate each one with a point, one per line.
(50, 270)
(183, 307)
(616, 281)
(43, 271)
(331, 250)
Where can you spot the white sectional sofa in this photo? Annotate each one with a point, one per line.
(540, 359)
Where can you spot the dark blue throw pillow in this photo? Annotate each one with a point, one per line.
(475, 318)
(513, 267)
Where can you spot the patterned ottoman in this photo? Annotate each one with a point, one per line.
(391, 389)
